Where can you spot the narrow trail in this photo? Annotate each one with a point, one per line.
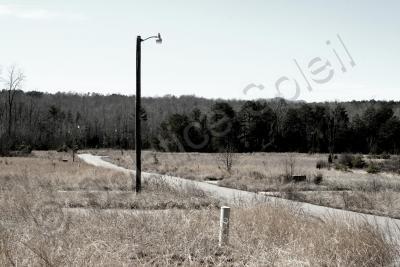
(390, 227)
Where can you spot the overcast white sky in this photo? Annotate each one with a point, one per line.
(212, 48)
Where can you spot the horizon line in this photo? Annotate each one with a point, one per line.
(203, 97)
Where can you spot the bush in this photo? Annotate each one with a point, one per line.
(358, 162)
(373, 168)
(346, 160)
(24, 149)
(351, 161)
(318, 178)
(20, 151)
(63, 148)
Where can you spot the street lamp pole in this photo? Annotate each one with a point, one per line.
(138, 135)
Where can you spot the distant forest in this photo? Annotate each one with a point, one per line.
(35, 120)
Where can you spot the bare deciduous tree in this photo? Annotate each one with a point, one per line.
(13, 83)
(227, 158)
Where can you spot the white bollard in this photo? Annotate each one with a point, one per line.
(224, 226)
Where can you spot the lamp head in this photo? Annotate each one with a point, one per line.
(159, 39)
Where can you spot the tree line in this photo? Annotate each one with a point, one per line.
(284, 127)
(37, 120)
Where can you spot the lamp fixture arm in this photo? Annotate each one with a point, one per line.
(142, 40)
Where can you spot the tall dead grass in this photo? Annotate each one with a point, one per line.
(261, 236)
(377, 194)
(36, 229)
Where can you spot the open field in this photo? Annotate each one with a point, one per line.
(351, 189)
(41, 225)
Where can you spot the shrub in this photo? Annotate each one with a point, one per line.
(358, 162)
(351, 161)
(24, 149)
(318, 178)
(373, 168)
(346, 160)
(63, 148)
(19, 151)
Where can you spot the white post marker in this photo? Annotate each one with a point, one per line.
(224, 226)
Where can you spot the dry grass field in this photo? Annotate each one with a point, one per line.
(55, 213)
(351, 189)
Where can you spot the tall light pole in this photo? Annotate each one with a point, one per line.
(138, 135)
